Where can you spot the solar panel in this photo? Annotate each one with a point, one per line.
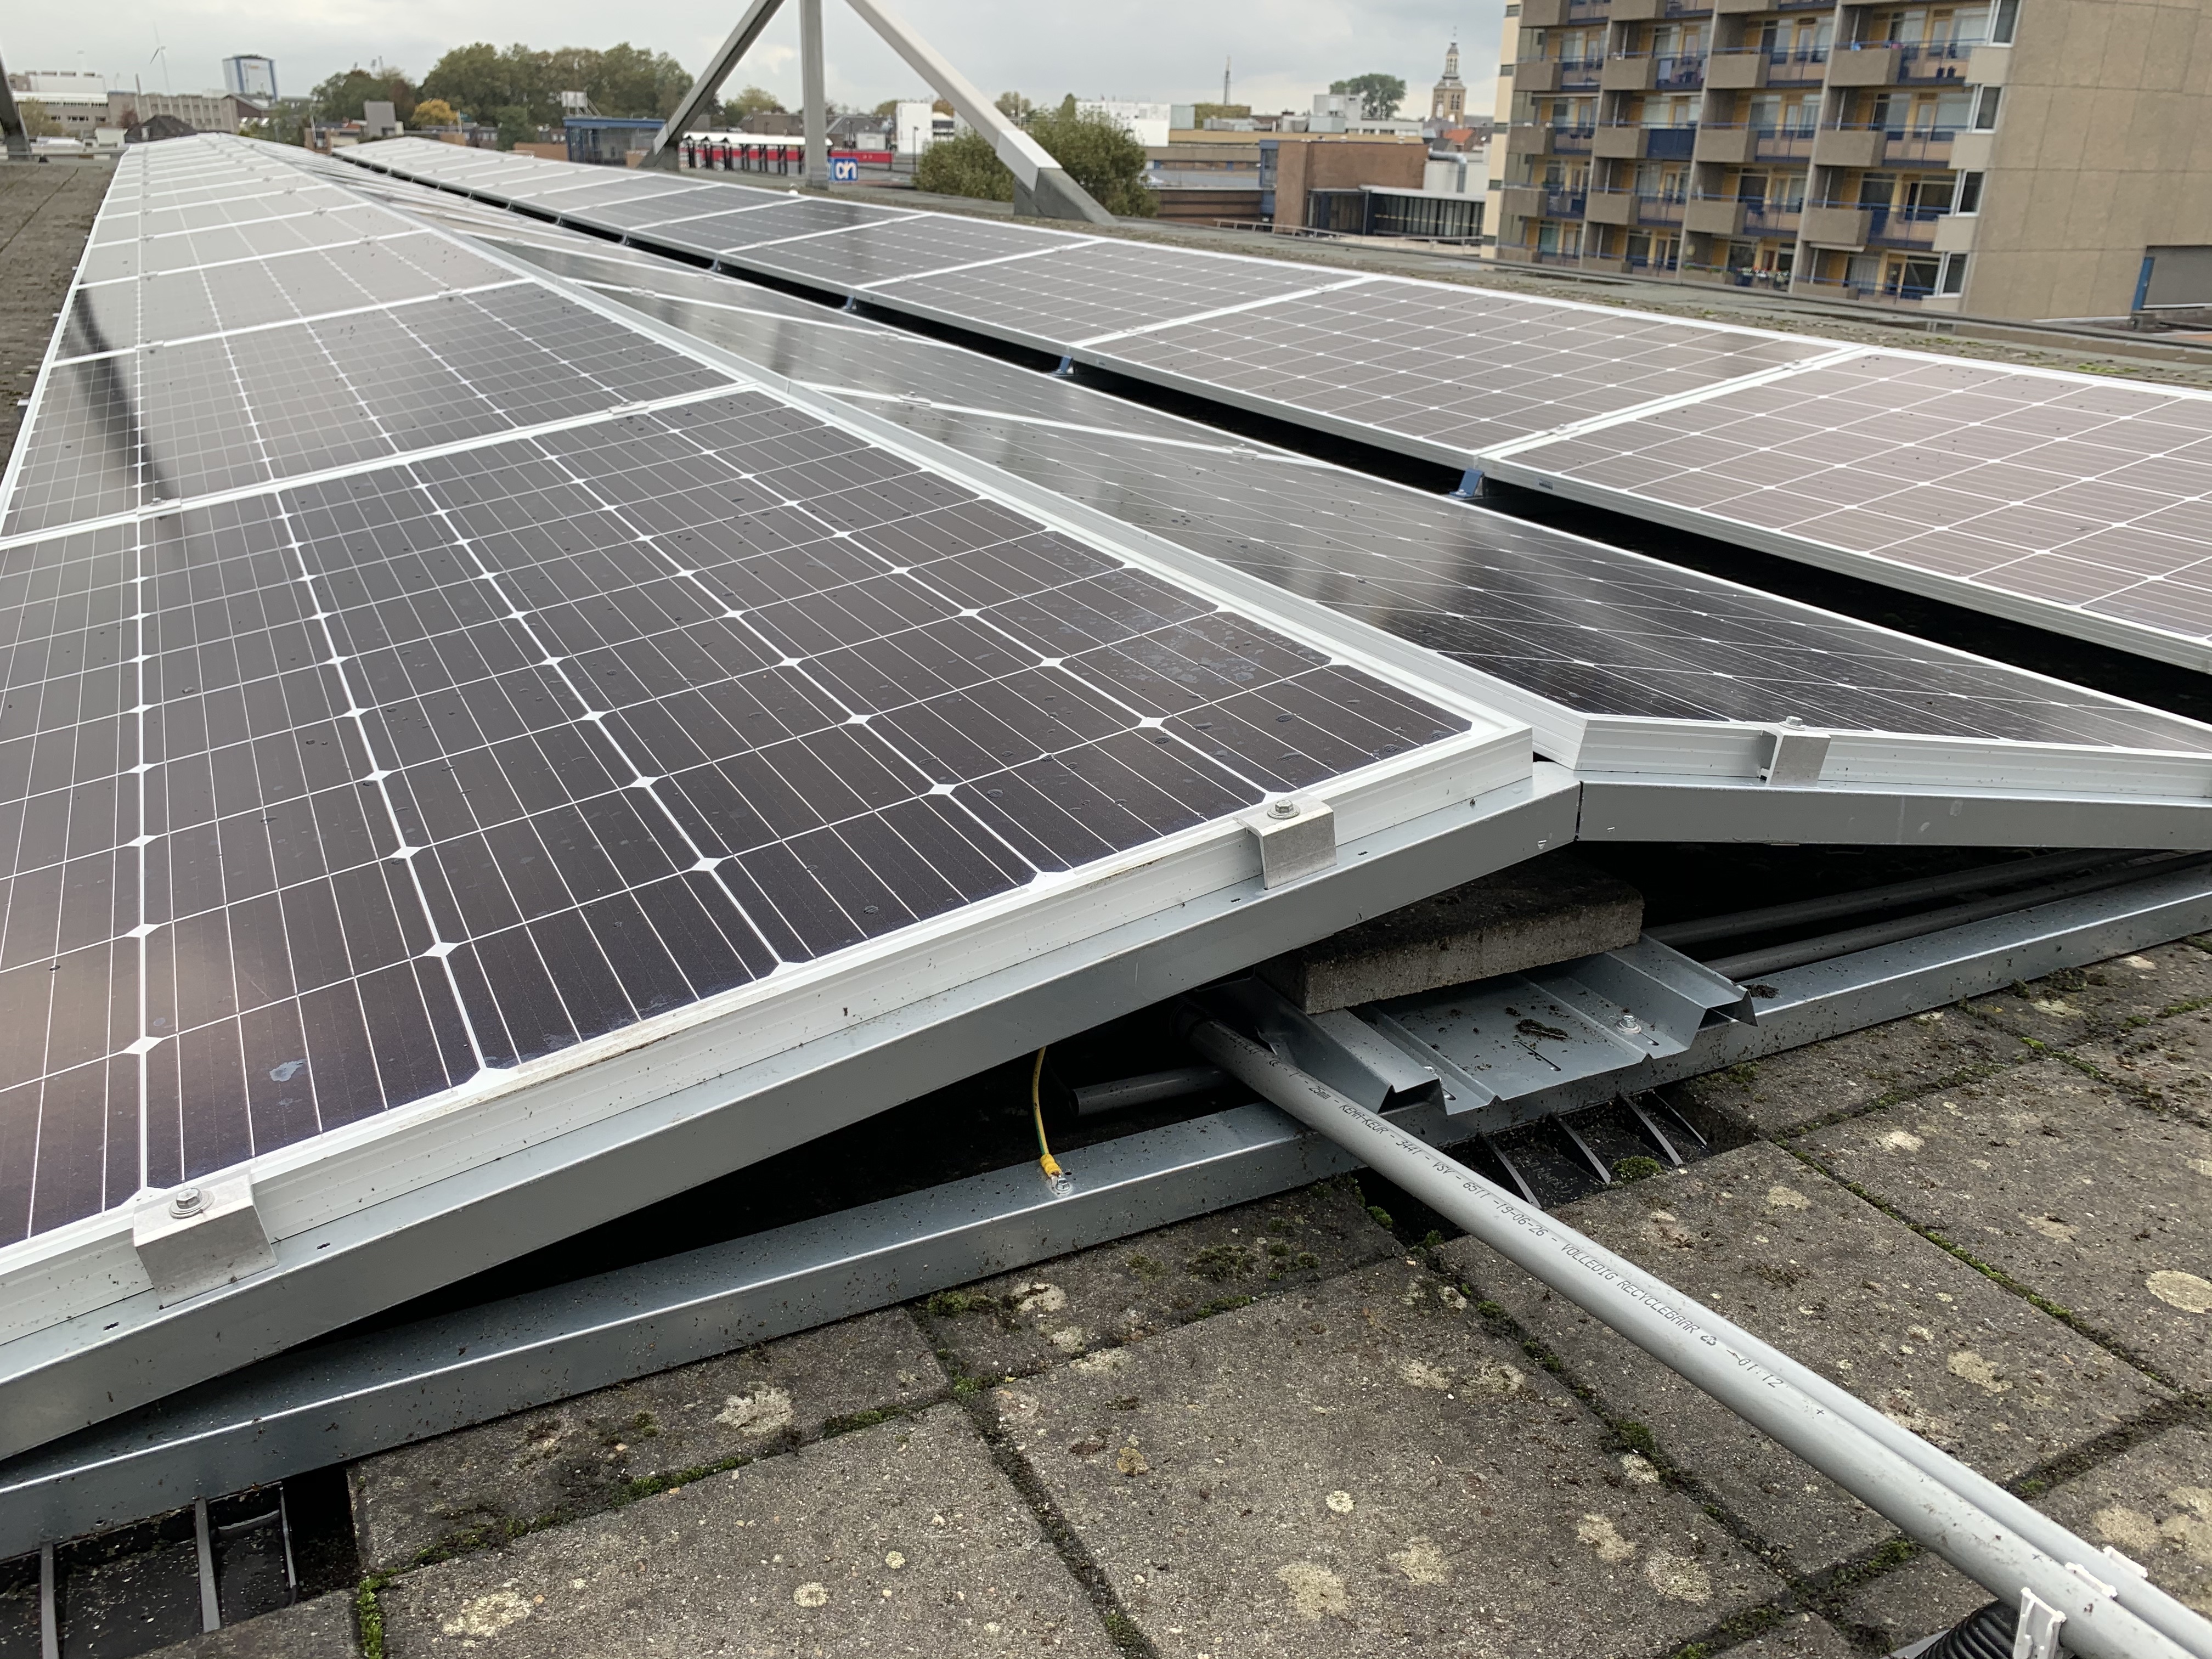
(872, 254)
(407, 711)
(2057, 499)
(1086, 290)
(1569, 633)
(1455, 370)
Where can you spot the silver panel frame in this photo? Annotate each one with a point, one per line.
(297, 1412)
(82, 1330)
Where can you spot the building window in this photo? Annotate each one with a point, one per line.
(1951, 277)
(1986, 107)
(2004, 18)
(1970, 193)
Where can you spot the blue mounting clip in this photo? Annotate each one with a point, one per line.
(1470, 486)
(1065, 371)
(852, 303)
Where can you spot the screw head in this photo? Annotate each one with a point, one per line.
(186, 1201)
(1629, 1025)
(1283, 808)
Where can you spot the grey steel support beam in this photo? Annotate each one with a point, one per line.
(345, 1400)
(12, 122)
(814, 111)
(1042, 187)
(667, 149)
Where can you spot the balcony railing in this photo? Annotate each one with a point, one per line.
(1784, 141)
(1572, 140)
(1665, 141)
(1772, 219)
(1849, 289)
(1924, 60)
(1906, 144)
(1581, 71)
(1682, 71)
(1646, 263)
(1563, 203)
(1736, 276)
(1909, 227)
(1786, 68)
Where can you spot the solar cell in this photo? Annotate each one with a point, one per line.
(699, 203)
(1457, 370)
(2075, 503)
(873, 254)
(1552, 619)
(2083, 514)
(777, 221)
(1093, 287)
(379, 753)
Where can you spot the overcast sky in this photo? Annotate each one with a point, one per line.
(1168, 51)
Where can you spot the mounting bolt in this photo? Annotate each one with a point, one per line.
(1631, 1025)
(1283, 808)
(186, 1201)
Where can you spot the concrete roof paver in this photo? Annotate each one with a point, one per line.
(2062, 1182)
(1363, 1468)
(2065, 1008)
(1827, 1277)
(580, 1454)
(2152, 1503)
(903, 1538)
(1800, 1635)
(1784, 1092)
(1121, 1292)
(322, 1628)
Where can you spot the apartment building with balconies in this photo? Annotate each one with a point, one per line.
(2009, 158)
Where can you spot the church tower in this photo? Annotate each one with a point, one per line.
(1449, 102)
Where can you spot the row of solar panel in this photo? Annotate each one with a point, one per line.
(1594, 629)
(2080, 504)
(327, 795)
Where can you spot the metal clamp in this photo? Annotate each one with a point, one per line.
(1297, 838)
(201, 1235)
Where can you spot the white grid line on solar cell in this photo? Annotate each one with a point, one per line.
(246, 259)
(147, 1036)
(1225, 311)
(372, 464)
(970, 264)
(2056, 493)
(380, 306)
(2005, 687)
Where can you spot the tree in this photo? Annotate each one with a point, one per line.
(965, 165)
(470, 79)
(888, 108)
(341, 97)
(1015, 107)
(282, 122)
(1379, 95)
(1099, 153)
(753, 100)
(37, 123)
(1202, 113)
(434, 112)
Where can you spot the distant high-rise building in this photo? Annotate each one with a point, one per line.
(250, 77)
(1449, 102)
(1973, 156)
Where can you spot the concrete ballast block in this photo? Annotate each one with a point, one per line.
(1553, 909)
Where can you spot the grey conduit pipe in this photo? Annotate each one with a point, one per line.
(2110, 1611)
